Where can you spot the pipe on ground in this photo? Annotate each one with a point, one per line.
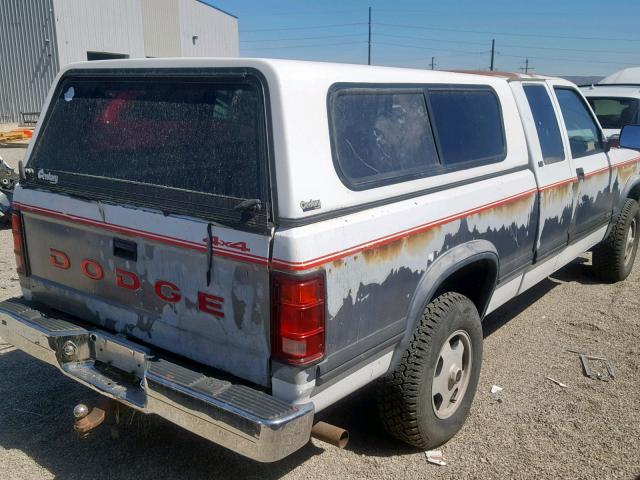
(336, 436)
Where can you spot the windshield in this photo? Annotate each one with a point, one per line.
(198, 135)
(615, 112)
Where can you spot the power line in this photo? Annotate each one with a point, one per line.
(440, 56)
(439, 40)
(410, 37)
(427, 48)
(302, 38)
(299, 14)
(484, 32)
(531, 47)
(566, 59)
(309, 46)
(502, 54)
(282, 29)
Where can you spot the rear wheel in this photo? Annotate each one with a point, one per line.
(613, 258)
(426, 399)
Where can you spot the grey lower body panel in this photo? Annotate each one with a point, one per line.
(247, 421)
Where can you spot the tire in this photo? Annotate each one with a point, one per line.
(407, 398)
(613, 258)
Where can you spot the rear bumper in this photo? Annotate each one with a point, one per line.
(237, 417)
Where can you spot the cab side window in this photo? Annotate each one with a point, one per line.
(546, 123)
(584, 134)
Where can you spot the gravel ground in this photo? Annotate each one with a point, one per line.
(532, 428)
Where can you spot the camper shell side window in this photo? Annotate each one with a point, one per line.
(386, 134)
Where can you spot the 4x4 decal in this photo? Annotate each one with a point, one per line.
(218, 242)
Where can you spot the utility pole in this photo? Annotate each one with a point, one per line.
(526, 67)
(493, 50)
(433, 63)
(369, 57)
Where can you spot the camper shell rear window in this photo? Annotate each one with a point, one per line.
(183, 143)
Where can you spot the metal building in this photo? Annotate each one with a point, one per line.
(38, 37)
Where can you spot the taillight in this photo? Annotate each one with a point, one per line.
(298, 313)
(18, 243)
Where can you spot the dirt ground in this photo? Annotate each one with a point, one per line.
(533, 428)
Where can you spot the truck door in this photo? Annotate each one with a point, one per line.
(552, 167)
(594, 201)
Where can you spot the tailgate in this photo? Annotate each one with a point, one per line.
(145, 275)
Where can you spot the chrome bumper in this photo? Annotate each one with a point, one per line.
(239, 418)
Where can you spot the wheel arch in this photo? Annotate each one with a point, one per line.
(478, 259)
(631, 190)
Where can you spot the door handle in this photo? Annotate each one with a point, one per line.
(580, 173)
(125, 249)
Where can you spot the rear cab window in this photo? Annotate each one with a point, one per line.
(388, 134)
(181, 144)
(614, 112)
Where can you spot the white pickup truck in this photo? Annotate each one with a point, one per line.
(236, 244)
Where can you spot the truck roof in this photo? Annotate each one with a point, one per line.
(341, 71)
(505, 74)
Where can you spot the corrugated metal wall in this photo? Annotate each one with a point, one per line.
(37, 37)
(110, 26)
(161, 28)
(28, 56)
(217, 31)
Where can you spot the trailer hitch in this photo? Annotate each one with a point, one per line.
(88, 420)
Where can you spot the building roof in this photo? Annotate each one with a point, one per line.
(216, 8)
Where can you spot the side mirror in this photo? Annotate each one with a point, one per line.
(630, 137)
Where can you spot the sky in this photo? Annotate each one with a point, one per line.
(559, 37)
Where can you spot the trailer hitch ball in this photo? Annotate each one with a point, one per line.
(80, 411)
(87, 419)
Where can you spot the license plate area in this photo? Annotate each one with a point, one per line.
(118, 354)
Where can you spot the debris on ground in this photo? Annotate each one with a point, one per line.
(18, 137)
(8, 180)
(589, 366)
(8, 176)
(436, 457)
(496, 389)
(557, 382)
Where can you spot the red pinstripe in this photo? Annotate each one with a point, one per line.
(296, 266)
(393, 237)
(177, 242)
